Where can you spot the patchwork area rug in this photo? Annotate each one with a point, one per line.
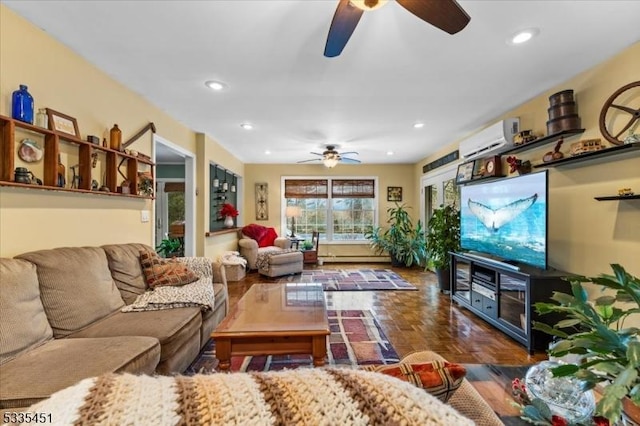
(356, 339)
(352, 279)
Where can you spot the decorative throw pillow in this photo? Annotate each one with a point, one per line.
(268, 238)
(254, 231)
(159, 272)
(439, 378)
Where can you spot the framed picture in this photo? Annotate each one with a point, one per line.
(465, 172)
(394, 193)
(62, 123)
(262, 205)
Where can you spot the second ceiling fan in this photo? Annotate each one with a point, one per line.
(330, 157)
(446, 15)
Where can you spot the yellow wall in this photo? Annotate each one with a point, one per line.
(61, 80)
(388, 175)
(586, 235)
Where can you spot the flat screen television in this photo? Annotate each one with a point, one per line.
(507, 218)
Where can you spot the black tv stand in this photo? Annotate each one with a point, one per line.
(504, 294)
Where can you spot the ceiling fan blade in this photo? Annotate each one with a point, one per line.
(316, 153)
(444, 14)
(348, 153)
(344, 22)
(350, 160)
(308, 161)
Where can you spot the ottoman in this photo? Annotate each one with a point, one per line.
(279, 263)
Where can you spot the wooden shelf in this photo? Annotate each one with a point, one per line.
(479, 179)
(618, 149)
(74, 190)
(52, 140)
(618, 197)
(543, 141)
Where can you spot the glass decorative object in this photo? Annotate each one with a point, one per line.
(228, 222)
(22, 105)
(41, 118)
(563, 395)
(115, 138)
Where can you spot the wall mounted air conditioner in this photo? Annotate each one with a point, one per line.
(497, 137)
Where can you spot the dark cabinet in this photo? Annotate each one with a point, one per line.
(504, 295)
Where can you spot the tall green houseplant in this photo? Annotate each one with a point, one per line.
(443, 236)
(403, 241)
(608, 349)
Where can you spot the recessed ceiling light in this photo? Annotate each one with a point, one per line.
(523, 36)
(246, 126)
(418, 125)
(389, 152)
(267, 152)
(215, 85)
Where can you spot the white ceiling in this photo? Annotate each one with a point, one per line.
(396, 69)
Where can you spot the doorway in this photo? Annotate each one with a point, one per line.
(174, 213)
(439, 188)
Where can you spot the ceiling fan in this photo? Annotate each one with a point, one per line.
(444, 14)
(330, 157)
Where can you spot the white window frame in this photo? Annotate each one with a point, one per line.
(325, 238)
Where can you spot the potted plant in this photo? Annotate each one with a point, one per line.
(443, 236)
(608, 350)
(404, 242)
(170, 247)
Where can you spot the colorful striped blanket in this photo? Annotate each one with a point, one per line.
(319, 396)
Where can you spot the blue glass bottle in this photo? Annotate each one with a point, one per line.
(22, 104)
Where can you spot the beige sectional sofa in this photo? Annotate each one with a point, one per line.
(61, 321)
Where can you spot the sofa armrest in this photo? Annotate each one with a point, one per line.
(282, 242)
(220, 277)
(200, 265)
(249, 250)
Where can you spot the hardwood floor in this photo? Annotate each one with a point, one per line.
(419, 320)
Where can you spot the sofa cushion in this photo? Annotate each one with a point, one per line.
(60, 363)
(76, 286)
(172, 327)
(439, 378)
(124, 263)
(23, 323)
(161, 272)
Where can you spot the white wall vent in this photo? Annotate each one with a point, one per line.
(497, 137)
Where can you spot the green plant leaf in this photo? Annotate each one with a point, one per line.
(568, 323)
(548, 329)
(610, 405)
(633, 354)
(565, 370)
(605, 300)
(579, 292)
(542, 408)
(563, 298)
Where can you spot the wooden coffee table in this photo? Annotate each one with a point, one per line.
(275, 319)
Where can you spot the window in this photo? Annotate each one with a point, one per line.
(339, 209)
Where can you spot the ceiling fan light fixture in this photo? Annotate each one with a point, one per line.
(523, 36)
(246, 126)
(418, 125)
(218, 86)
(368, 5)
(330, 162)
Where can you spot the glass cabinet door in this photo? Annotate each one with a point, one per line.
(461, 283)
(513, 294)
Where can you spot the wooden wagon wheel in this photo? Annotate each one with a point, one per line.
(609, 104)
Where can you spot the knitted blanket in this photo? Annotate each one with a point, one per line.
(322, 396)
(264, 257)
(199, 294)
